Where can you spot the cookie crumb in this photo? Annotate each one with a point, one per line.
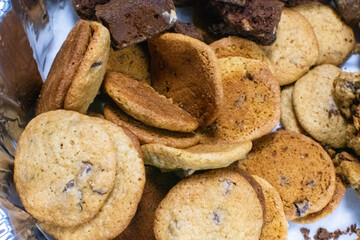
(305, 232)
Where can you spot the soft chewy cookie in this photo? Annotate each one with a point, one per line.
(156, 187)
(63, 178)
(142, 102)
(122, 202)
(201, 156)
(315, 107)
(132, 61)
(275, 224)
(186, 70)
(328, 209)
(148, 134)
(295, 49)
(239, 47)
(297, 167)
(287, 115)
(348, 167)
(251, 106)
(336, 39)
(215, 205)
(78, 69)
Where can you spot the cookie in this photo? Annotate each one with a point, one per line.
(251, 106)
(287, 115)
(188, 29)
(186, 70)
(275, 224)
(328, 209)
(147, 134)
(336, 39)
(122, 202)
(218, 204)
(352, 138)
(90, 74)
(295, 50)
(157, 185)
(297, 167)
(255, 20)
(315, 107)
(198, 157)
(131, 22)
(348, 167)
(143, 103)
(132, 61)
(239, 47)
(63, 178)
(346, 90)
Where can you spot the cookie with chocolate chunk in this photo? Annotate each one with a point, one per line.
(186, 70)
(143, 103)
(213, 205)
(348, 167)
(296, 48)
(336, 39)
(315, 107)
(251, 105)
(62, 178)
(78, 69)
(297, 167)
(256, 20)
(122, 202)
(147, 134)
(131, 22)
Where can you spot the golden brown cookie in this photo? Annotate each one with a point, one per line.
(219, 204)
(295, 50)
(297, 167)
(275, 224)
(251, 105)
(148, 134)
(156, 187)
(198, 157)
(336, 39)
(328, 209)
(352, 138)
(186, 70)
(287, 115)
(132, 61)
(239, 47)
(315, 107)
(143, 103)
(76, 74)
(348, 167)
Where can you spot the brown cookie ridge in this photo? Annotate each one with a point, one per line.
(186, 70)
(143, 103)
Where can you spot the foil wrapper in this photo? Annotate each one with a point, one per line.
(31, 33)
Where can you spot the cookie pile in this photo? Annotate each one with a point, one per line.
(156, 94)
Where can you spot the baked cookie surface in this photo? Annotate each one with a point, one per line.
(186, 70)
(63, 178)
(297, 167)
(143, 103)
(215, 205)
(315, 107)
(336, 39)
(295, 49)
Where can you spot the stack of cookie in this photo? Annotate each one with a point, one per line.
(172, 101)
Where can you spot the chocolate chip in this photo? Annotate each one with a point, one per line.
(217, 217)
(226, 186)
(85, 169)
(96, 64)
(301, 207)
(350, 85)
(100, 192)
(284, 181)
(69, 185)
(249, 76)
(311, 183)
(80, 207)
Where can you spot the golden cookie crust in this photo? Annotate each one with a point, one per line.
(336, 39)
(297, 167)
(295, 50)
(148, 134)
(186, 70)
(315, 107)
(218, 204)
(143, 103)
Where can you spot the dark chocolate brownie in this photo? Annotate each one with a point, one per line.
(133, 21)
(256, 20)
(349, 10)
(86, 8)
(188, 29)
(291, 3)
(181, 3)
